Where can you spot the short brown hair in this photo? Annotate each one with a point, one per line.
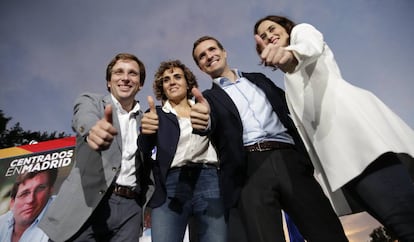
(126, 56)
(166, 65)
(23, 177)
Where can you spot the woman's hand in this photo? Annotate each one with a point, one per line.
(276, 56)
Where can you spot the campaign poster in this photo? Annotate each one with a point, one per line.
(58, 153)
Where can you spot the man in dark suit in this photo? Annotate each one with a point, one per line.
(264, 165)
(101, 199)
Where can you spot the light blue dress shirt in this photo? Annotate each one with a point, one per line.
(260, 122)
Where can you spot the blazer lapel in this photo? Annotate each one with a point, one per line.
(138, 118)
(222, 97)
(171, 117)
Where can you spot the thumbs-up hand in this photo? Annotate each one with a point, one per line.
(103, 132)
(108, 113)
(276, 56)
(200, 111)
(149, 122)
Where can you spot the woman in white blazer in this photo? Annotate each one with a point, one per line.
(351, 136)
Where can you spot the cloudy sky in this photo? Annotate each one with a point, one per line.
(51, 51)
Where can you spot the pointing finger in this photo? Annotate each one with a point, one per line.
(260, 42)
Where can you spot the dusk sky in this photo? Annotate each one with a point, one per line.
(51, 51)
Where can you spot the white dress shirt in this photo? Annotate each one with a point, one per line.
(129, 134)
(191, 147)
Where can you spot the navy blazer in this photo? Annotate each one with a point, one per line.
(166, 140)
(227, 133)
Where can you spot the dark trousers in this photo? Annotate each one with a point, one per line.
(115, 219)
(386, 191)
(283, 179)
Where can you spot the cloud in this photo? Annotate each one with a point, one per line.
(358, 226)
(51, 51)
(64, 47)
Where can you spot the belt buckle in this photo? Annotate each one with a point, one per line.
(259, 147)
(123, 191)
(118, 189)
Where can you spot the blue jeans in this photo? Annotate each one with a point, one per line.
(190, 192)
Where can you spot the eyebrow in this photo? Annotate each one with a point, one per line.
(24, 191)
(127, 70)
(201, 54)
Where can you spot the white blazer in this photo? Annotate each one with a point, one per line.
(344, 127)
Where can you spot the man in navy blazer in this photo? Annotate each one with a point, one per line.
(264, 165)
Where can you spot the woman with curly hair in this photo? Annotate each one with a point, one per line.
(185, 167)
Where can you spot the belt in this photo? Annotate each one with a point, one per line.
(193, 165)
(268, 145)
(124, 191)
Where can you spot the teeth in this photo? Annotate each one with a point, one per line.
(214, 61)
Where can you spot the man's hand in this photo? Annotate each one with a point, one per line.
(149, 122)
(102, 133)
(200, 111)
(276, 56)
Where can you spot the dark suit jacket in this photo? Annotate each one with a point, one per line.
(166, 140)
(227, 133)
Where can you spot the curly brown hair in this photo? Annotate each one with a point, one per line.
(158, 82)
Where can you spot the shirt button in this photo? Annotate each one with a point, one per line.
(114, 169)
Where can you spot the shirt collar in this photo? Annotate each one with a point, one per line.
(10, 219)
(135, 110)
(40, 216)
(167, 108)
(224, 81)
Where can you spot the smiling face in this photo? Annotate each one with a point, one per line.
(174, 85)
(31, 197)
(124, 82)
(210, 58)
(272, 32)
